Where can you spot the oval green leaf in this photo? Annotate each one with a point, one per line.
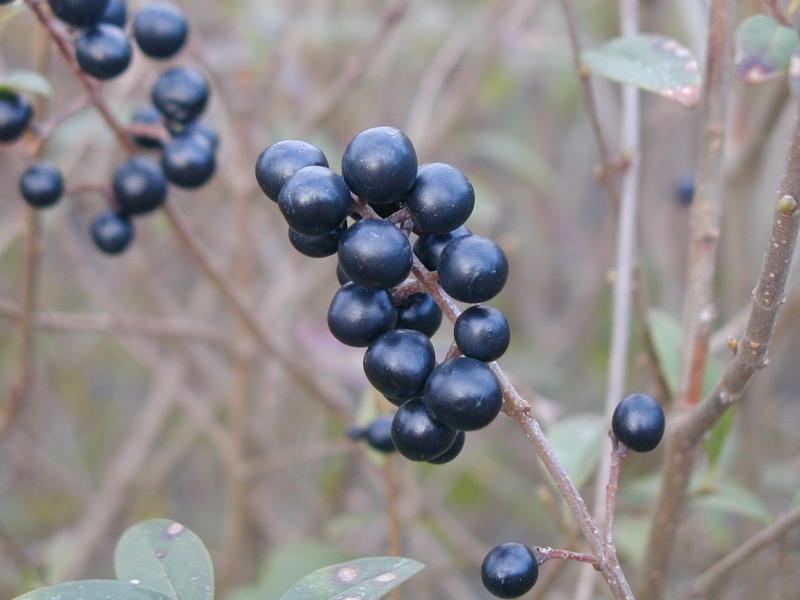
(94, 589)
(763, 49)
(26, 81)
(365, 579)
(653, 63)
(165, 556)
(578, 443)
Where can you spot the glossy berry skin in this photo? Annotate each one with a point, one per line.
(15, 115)
(398, 364)
(428, 248)
(139, 186)
(318, 246)
(420, 313)
(375, 254)
(116, 13)
(112, 232)
(198, 130)
(510, 570)
(278, 163)
(638, 422)
(341, 276)
(41, 185)
(181, 94)
(483, 333)
(452, 452)
(464, 394)
(417, 434)
(379, 434)
(160, 30)
(380, 165)
(314, 201)
(357, 316)
(441, 200)
(188, 163)
(147, 115)
(473, 269)
(81, 13)
(103, 51)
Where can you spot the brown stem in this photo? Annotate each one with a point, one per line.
(545, 553)
(618, 452)
(774, 8)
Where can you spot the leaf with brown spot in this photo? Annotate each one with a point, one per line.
(653, 63)
(94, 589)
(763, 49)
(363, 579)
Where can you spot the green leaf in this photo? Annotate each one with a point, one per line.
(365, 579)
(578, 443)
(731, 498)
(26, 81)
(165, 556)
(763, 49)
(94, 589)
(716, 440)
(665, 334)
(652, 63)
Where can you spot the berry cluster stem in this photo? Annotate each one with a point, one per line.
(545, 553)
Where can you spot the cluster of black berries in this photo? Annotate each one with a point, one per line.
(179, 98)
(331, 214)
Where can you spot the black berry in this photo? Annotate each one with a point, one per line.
(357, 316)
(510, 570)
(181, 94)
(428, 248)
(378, 434)
(15, 115)
(464, 394)
(420, 313)
(139, 186)
(452, 452)
(318, 246)
(160, 30)
(417, 434)
(398, 364)
(116, 13)
(638, 422)
(198, 130)
(103, 51)
(473, 269)
(112, 232)
(314, 201)
(278, 163)
(375, 254)
(81, 13)
(188, 162)
(684, 190)
(384, 210)
(41, 185)
(341, 276)
(380, 165)
(147, 115)
(441, 200)
(482, 332)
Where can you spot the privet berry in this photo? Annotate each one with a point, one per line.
(198, 131)
(441, 200)
(278, 163)
(378, 434)
(417, 434)
(41, 185)
(464, 394)
(420, 313)
(139, 186)
(314, 201)
(398, 364)
(181, 94)
(160, 30)
(473, 269)
(357, 316)
(638, 422)
(375, 254)
(510, 570)
(428, 248)
(15, 115)
(341, 276)
(452, 452)
(483, 333)
(103, 51)
(116, 13)
(187, 162)
(81, 13)
(318, 246)
(147, 115)
(112, 232)
(380, 165)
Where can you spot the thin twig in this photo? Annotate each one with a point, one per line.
(546, 553)
(618, 452)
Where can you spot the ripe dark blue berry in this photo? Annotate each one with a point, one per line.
(464, 394)
(116, 13)
(160, 30)
(380, 165)
(188, 163)
(452, 452)
(198, 131)
(278, 163)
(314, 201)
(510, 570)
(684, 190)
(357, 316)
(398, 364)
(473, 269)
(341, 276)
(181, 94)
(112, 232)
(638, 422)
(139, 186)
(41, 185)
(81, 13)
(147, 115)
(420, 313)
(103, 51)
(417, 434)
(375, 254)
(428, 248)
(483, 333)
(318, 246)
(15, 115)
(379, 434)
(441, 200)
